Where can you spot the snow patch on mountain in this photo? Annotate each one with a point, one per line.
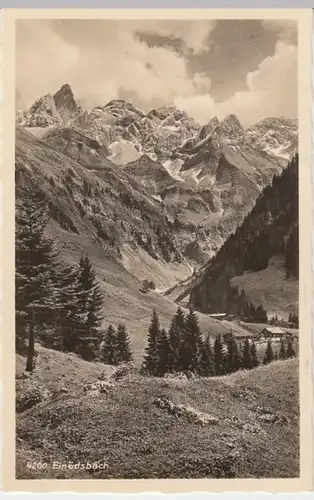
(195, 175)
(173, 167)
(123, 152)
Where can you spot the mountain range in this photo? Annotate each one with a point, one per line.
(148, 195)
(206, 178)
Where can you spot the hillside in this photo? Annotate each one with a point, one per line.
(261, 257)
(127, 426)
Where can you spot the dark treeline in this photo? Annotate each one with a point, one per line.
(185, 348)
(58, 305)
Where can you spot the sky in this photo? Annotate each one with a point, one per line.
(207, 67)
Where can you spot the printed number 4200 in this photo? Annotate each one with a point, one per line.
(37, 465)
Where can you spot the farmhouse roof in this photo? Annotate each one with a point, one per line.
(273, 329)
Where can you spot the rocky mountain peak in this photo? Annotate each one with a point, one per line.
(231, 126)
(43, 113)
(64, 98)
(121, 105)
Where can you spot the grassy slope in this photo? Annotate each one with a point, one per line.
(137, 439)
(270, 288)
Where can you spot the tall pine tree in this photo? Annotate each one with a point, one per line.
(124, 351)
(35, 259)
(193, 343)
(90, 304)
(149, 366)
(233, 355)
(282, 350)
(109, 348)
(246, 355)
(207, 368)
(219, 356)
(162, 365)
(290, 349)
(174, 346)
(254, 356)
(70, 320)
(269, 354)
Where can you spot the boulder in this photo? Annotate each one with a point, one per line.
(98, 387)
(180, 410)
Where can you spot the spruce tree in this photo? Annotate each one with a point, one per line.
(246, 361)
(290, 350)
(162, 365)
(254, 356)
(109, 348)
(174, 346)
(193, 343)
(282, 351)
(124, 350)
(35, 259)
(183, 354)
(70, 320)
(207, 368)
(269, 355)
(149, 366)
(90, 302)
(219, 356)
(233, 355)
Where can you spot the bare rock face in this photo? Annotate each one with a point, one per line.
(64, 99)
(43, 113)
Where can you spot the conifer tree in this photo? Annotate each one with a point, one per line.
(90, 301)
(35, 259)
(183, 348)
(282, 351)
(109, 348)
(70, 320)
(254, 356)
(180, 319)
(149, 365)
(246, 355)
(207, 368)
(219, 356)
(269, 355)
(162, 354)
(290, 350)
(174, 346)
(124, 350)
(233, 355)
(193, 343)
(261, 314)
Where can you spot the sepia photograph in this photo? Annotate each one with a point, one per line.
(157, 270)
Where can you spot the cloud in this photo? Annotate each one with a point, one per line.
(195, 35)
(271, 91)
(106, 60)
(286, 29)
